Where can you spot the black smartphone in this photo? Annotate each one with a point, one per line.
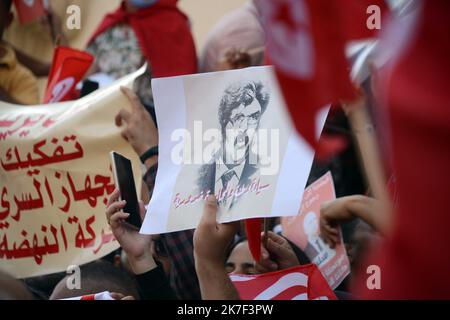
(88, 87)
(124, 180)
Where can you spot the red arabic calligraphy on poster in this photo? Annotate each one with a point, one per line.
(55, 178)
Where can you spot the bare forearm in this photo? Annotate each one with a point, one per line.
(215, 283)
(370, 211)
(141, 265)
(369, 153)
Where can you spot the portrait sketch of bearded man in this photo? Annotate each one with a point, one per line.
(235, 166)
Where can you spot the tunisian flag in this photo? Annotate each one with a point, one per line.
(415, 260)
(298, 283)
(164, 36)
(306, 43)
(29, 10)
(68, 68)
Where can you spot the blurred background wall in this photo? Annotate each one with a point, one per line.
(204, 14)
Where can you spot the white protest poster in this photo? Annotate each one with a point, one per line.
(55, 179)
(229, 134)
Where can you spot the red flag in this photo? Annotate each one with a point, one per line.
(415, 262)
(164, 35)
(353, 17)
(68, 68)
(253, 231)
(306, 42)
(298, 283)
(29, 10)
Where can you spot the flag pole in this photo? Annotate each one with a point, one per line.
(266, 229)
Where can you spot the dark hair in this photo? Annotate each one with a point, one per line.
(301, 256)
(99, 276)
(234, 95)
(104, 276)
(7, 4)
(13, 289)
(42, 286)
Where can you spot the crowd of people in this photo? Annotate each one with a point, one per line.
(191, 264)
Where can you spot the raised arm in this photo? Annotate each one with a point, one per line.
(210, 244)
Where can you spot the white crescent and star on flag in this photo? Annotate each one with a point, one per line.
(289, 39)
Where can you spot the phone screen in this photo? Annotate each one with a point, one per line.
(125, 181)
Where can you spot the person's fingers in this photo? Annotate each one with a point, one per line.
(117, 217)
(113, 197)
(326, 228)
(276, 238)
(113, 208)
(132, 97)
(117, 296)
(277, 245)
(264, 253)
(124, 133)
(324, 238)
(329, 228)
(327, 240)
(267, 265)
(336, 239)
(331, 243)
(323, 229)
(118, 120)
(265, 262)
(276, 249)
(209, 211)
(128, 298)
(330, 237)
(124, 115)
(261, 269)
(333, 233)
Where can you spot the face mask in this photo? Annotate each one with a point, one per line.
(142, 3)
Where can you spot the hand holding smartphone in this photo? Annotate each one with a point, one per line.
(124, 181)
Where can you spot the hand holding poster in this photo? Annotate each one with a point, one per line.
(303, 230)
(225, 133)
(55, 177)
